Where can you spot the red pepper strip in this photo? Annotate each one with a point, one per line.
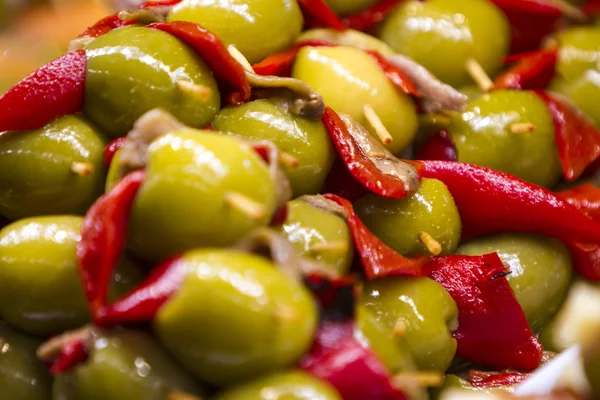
(365, 20)
(394, 74)
(142, 303)
(319, 14)
(491, 201)
(438, 147)
(103, 235)
(492, 328)
(585, 261)
(334, 295)
(530, 20)
(111, 148)
(54, 90)
(105, 25)
(532, 71)
(73, 353)
(229, 74)
(357, 163)
(577, 138)
(341, 183)
(160, 3)
(352, 369)
(280, 64)
(592, 7)
(495, 379)
(585, 197)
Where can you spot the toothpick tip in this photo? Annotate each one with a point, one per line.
(479, 75)
(521, 127)
(377, 125)
(82, 168)
(201, 92)
(245, 205)
(432, 245)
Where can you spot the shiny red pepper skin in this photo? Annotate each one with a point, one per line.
(577, 138)
(111, 148)
(160, 3)
(483, 379)
(338, 358)
(230, 74)
(490, 202)
(438, 146)
(54, 90)
(586, 197)
(365, 20)
(72, 354)
(318, 14)
(532, 70)
(394, 74)
(103, 234)
(105, 25)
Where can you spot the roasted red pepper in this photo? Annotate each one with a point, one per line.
(230, 74)
(494, 379)
(585, 197)
(586, 261)
(394, 74)
(105, 25)
(160, 3)
(490, 201)
(532, 70)
(103, 234)
(365, 20)
(54, 90)
(72, 354)
(577, 138)
(318, 14)
(438, 146)
(592, 7)
(341, 183)
(111, 148)
(357, 374)
(492, 327)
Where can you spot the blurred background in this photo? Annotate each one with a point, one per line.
(33, 32)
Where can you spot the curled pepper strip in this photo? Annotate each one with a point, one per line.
(577, 138)
(370, 17)
(72, 354)
(54, 90)
(317, 13)
(491, 201)
(585, 197)
(532, 70)
(394, 74)
(103, 238)
(483, 379)
(228, 72)
(105, 25)
(111, 148)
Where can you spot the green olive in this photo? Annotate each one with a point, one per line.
(318, 234)
(348, 37)
(419, 311)
(40, 288)
(236, 317)
(582, 91)
(579, 51)
(124, 365)
(540, 271)
(401, 223)
(348, 79)
(43, 178)
(443, 35)
(349, 7)
(453, 382)
(292, 385)
(183, 202)
(257, 29)
(132, 70)
(304, 139)
(22, 375)
(484, 135)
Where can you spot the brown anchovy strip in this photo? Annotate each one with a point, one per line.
(282, 252)
(435, 95)
(320, 202)
(301, 99)
(144, 16)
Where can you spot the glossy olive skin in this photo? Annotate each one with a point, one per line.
(540, 268)
(582, 91)
(454, 382)
(236, 317)
(291, 385)
(257, 29)
(22, 375)
(123, 365)
(40, 287)
(482, 136)
(443, 34)
(348, 37)
(427, 311)
(40, 181)
(399, 223)
(181, 203)
(306, 227)
(304, 139)
(132, 70)
(579, 51)
(348, 79)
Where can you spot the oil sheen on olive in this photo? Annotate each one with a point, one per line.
(288, 385)
(443, 34)
(482, 136)
(132, 70)
(348, 37)
(40, 288)
(579, 51)
(399, 223)
(257, 28)
(348, 79)
(419, 311)
(22, 375)
(318, 234)
(181, 204)
(125, 365)
(540, 269)
(236, 317)
(304, 139)
(37, 177)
